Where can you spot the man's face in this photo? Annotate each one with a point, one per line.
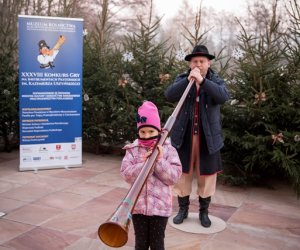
(45, 51)
(201, 62)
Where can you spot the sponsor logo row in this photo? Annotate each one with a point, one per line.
(39, 158)
(58, 148)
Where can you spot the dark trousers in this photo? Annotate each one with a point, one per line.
(149, 231)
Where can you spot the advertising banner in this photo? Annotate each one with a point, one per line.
(50, 92)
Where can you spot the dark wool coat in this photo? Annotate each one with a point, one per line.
(213, 93)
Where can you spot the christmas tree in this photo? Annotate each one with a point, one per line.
(262, 121)
(146, 69)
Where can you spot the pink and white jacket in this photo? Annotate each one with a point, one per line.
(156, 195)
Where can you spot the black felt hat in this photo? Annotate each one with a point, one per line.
(199, 50)
(42, 44)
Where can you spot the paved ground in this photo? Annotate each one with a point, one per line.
(62, 209)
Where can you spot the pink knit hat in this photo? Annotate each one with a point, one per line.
(148, 116)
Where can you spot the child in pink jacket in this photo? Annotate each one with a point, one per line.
(154, 205)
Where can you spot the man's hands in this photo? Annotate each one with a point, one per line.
(196, 75)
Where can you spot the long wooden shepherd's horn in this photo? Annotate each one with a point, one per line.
(114, 232)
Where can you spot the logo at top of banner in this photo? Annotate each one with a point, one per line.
(47, 56)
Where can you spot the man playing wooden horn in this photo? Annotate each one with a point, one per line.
(197, 133)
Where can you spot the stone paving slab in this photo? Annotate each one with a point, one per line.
(62, 209)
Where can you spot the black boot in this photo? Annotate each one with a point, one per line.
(184, 203)
(203, 215)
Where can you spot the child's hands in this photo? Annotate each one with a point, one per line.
(160, 153)
(146, 155)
